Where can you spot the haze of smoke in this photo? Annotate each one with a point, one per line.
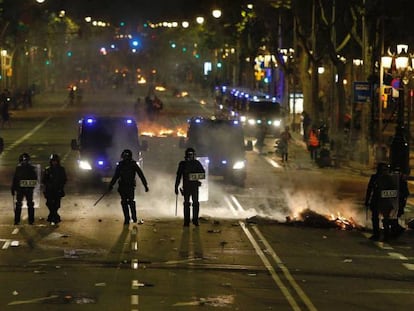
(327, 205)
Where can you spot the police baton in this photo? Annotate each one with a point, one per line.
(176, 199)
(102, 196)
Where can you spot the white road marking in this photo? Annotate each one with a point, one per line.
(134, 300)
(272, 162)
(235, 206)
(269, 267)
(285, 270)
(233, 210)
(23, 138)
(6, 244)
(134, 264)
(409, 266)
(397, 256)
(393, 255)
(135, 284)
(236, 202)
(36, 300)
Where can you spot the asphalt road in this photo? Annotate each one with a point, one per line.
(244, 255)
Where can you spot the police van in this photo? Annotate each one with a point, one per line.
(100, 143)
(222, 142)
(256, 110)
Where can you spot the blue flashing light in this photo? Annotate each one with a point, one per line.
(224, 162)
(128, 121)
(197, 120)
(101, 162)
(235, 122)
(90, 120)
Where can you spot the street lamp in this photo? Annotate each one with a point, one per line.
(399, 151)
(216, 13)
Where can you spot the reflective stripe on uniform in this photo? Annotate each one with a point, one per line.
(196, 176)
(28, 183)
(389, 193)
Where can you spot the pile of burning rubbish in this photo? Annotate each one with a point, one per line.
(310, 218)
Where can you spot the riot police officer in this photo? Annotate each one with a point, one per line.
(382, 199)
(24, 181)
(190, 171)
(54, 180)
(125, 172)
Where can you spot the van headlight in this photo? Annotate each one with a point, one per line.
(85, 165)
(251, 121)
(277, 123)
(239, 165)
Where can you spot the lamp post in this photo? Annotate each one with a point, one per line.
(399, 150)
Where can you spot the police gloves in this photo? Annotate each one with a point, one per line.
(176, 190)
(146, 188)
(13, 192)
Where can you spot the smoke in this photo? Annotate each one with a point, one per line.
(321, 196)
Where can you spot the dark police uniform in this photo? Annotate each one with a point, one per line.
(382, 197)
(24, 181)
(190, 171)
(125, 171)
(54, 180)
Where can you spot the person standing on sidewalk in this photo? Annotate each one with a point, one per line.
(285, 138)
(54, 180)
(24, 181)
(125, 172)
(306, 123)
(313, 143)
(190, 171)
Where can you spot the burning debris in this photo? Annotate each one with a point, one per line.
(154, 130)
(312, 219)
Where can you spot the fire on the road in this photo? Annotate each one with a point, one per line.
(311, 218)
(155, 130)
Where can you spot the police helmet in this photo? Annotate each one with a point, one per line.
(189, 154)
(24, 158)
(54, 157)
(126, 155)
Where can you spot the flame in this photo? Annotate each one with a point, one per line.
(312, 218)
(155, 130)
